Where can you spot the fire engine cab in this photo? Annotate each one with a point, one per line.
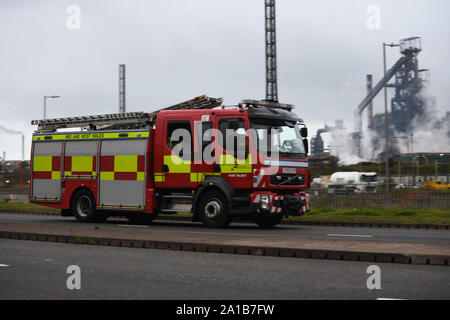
(216, 162)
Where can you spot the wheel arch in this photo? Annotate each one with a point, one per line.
(211, 183)
(78, 190)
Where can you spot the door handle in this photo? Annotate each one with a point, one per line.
(165, 168)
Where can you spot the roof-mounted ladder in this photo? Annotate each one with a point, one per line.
(200, 102)
(118, 120)
(50, 125)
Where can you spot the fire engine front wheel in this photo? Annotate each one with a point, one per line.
(83, 206)
(268, 221)
(213, 209)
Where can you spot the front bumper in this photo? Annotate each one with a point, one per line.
(271, 203)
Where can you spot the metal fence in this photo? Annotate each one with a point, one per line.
(403, 199)
(320, 198)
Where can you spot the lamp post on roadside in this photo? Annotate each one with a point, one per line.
(386, 120)
(436, 165)
(45, 104)
(417, 161)
(399, 165)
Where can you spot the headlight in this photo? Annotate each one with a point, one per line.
(265, 199)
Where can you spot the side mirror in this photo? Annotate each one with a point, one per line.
(305, 144)
(304, 132)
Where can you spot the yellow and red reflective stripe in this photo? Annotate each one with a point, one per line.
(182, 168)
(47, 167)
(122, 167)
(80, 165)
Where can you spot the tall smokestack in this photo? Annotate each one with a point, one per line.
(370, 106)
(4, 156)
(122, 107)
(271, 52)
(23, 147)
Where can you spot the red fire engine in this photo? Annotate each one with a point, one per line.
(125, 164)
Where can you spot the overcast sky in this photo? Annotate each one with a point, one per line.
(175, 50)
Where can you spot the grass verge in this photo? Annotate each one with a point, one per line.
(426, 216)
(8, 205)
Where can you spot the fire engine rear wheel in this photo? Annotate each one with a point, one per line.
(83, 206)
(268, 221)
(213, 209)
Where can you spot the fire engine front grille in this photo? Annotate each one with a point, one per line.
(287, 179)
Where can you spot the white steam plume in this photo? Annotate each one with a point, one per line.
(10, 131)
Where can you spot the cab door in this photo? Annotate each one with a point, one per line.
(173, 155)
(203, 164)
(235, 158)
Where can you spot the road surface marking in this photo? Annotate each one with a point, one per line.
(131, 225)
(349, 235)
(389, 299)
(4, 265)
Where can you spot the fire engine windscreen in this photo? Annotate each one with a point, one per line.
(280, 137)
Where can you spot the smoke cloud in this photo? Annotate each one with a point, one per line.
(10, 131)
(429, 134)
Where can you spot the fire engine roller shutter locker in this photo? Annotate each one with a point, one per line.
(47, 170)
(80, 158)
(122, 173)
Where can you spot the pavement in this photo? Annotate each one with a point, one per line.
(276, 242)
(396, 225)
(38, 270)
(302, 231)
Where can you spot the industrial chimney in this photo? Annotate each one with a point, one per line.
(23, 147)
(122, 107)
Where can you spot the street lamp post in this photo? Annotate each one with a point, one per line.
(416, 159)
(407, 141)
(436, 168)
(399, 165)
(45, 104)
(436, 164)
(386, 120)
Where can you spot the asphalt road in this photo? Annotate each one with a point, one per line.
(311, 232)
(37, 270)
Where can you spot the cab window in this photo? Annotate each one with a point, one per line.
(185, 133)
(237, 125)
(174, 125)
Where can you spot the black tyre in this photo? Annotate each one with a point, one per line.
(83, 206)
(213, 209)
(141, 218)
(268, 221)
